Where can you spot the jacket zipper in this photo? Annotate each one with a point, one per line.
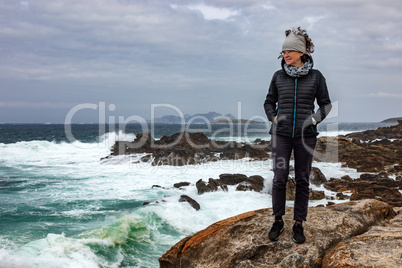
(294, 111)
(277, 113)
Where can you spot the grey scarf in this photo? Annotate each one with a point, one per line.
(298, 71)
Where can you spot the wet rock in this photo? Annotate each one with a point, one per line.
(212, 186)
(253, 183)
(192, 202)
(186, 148)
(181, 184)
(232, 179)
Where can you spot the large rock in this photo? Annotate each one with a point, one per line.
(381, 246)
(244, 183)
(232, 179)
(185, 148)
(242, 241)
(252, 183)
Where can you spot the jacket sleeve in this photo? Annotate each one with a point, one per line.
(323, 100)
(271, 100)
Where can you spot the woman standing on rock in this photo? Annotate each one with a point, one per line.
(289, 105)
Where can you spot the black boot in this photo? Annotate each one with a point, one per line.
(298, 233)
(276, 230)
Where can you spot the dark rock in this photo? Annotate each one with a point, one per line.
(337, 185)
(192, 202)
(253, 183)
(186, 148)
(382, 189)
(202, 187)
(317, 177)
(255, 152)
(346, 177)
(316, 195)
(368, 176)
(368, 186)
(232, 179)
(373, 156)
(341, 196)
(146, 158)
(212, 186)
(181, 184)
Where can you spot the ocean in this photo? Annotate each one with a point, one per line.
(62, 206)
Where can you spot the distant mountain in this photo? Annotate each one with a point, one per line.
(391, 120)
(197, 118)
(237, 121)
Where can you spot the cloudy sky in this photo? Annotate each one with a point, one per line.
(111, 58)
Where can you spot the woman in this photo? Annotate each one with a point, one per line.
(289, 105)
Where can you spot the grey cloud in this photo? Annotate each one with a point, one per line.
(110, 50)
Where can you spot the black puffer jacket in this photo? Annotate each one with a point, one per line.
(292, 100)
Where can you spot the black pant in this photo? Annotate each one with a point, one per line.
(303, 149)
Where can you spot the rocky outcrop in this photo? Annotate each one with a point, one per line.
(391, 132)
(374, 156)
(381, 246)
(242, 241)
(369, 186)
(244, 183)
(368, 151)
(186, 148)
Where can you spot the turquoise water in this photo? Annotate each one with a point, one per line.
(61, 206)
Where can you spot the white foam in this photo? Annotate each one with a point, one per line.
(59, 251)
(8, 259)
(335, 170)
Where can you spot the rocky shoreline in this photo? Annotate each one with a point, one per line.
(369, 151)
(362, 233)
(376, 153)
(380, 159)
